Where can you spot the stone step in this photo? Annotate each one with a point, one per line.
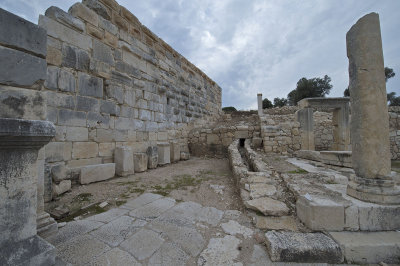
(268, 206)
(302, 247)
(369, 247)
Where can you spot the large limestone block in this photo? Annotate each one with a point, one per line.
(302, 247)
(369, 247)
(140, 162)
(84, 150)
(185, 155)
(175, 151)
(320, 213)
(163, 153)
(94, 173)
(152, 154)
(124, 161)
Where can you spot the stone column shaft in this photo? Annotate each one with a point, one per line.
(369, 121)
(260, 105)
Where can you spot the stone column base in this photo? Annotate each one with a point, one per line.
(31, 251)
(380, 191)
(46, 225)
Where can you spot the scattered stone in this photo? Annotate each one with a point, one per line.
(61, 188)
(103, 204)
(287, 223)
(59, 212)
(218, 189)
(268, 206)
(185, 156)
(61, 225)
(302, 247)
(221, 251)
(234, 228)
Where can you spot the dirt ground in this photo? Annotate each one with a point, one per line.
(202, 180)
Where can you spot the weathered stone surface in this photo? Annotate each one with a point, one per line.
(234, 228)
(95, 173)
(169, 254)
(369, 247)
(116, 256)
(262, 190)
(71, 118)
(81, 250)
(81, 11)
(221, 251)
(34, 68)
(140, 162)
(66, 81)
(90, 86)
(58, 172)
(163, 153)
(59, 31)
(84, 150)
(140, 201)
(154, 209)
(65, 18)
(124, 161)
(268, 206)
(22, 34)
(22, 103)
(320, 213)
(99, 8)
(76, 134)
(58, 151)
(109, 215)
(102, 52)
(287, 223)
(143, 244)
(152, 154)
(61, 188)
(175, 151)
(118, 230)
(302, 247)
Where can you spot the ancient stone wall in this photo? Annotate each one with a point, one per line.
(112, 82)
(394, 131)
(323, 131)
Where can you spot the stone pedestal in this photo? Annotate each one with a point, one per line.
(175, 151)
(20, 141)
(152, 154)
(259, 103)
(305, 118)
(124, 161)
(369, 122)
(164, 153)
(140, 161)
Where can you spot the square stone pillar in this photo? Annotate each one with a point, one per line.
(306, 120)
(369, 121)
(164, 153)
(259, 103)
(341, 129)
(20, 141)
(123, 157)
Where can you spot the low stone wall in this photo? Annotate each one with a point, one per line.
(323, 131)
(394, 131)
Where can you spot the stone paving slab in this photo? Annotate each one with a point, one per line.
(154, 230)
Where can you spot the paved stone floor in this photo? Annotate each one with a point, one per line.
(156, 230)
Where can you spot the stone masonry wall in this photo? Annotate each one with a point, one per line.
(112, 82)
(394, 131)
(323, 131)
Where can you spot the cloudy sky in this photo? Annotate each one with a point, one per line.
(257, 46)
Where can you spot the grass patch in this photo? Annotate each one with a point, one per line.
(161, 192)
(95, 209)
(298, 171)
(136, 190)
(331, 182)
(120, 202)
(128, 183)
(83, 197)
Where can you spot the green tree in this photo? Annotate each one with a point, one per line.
(280, 102)
(266, 103)
(310, 88)
(229, 109)
(346, 92)
(392, 99)
(389, 73)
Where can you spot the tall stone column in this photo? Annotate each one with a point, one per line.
(259, 103)
(20, 141)
(369, 122)
(306, 120)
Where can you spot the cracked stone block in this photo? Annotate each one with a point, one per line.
(164, 153)
(124, 161)
(152, 154)
(140, 162)
(94, 173)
